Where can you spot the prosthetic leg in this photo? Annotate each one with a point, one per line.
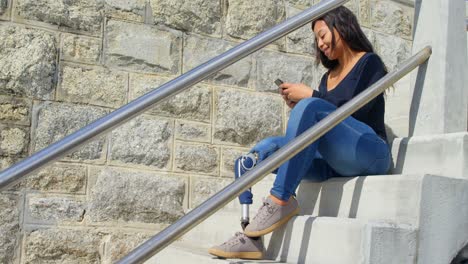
(243, 164)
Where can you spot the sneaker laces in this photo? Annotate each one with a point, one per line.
(238, 237)
(269, 209)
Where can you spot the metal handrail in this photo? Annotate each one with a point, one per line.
(116, 118)
(230, 192)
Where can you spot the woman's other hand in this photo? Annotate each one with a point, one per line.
(294, 92)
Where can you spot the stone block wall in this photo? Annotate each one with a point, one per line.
(63, 64)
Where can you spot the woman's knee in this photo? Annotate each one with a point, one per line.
(373, 154)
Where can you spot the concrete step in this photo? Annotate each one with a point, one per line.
(388, 198)
(444, 155)
(181, 252)
(329, 240)
(428, 203)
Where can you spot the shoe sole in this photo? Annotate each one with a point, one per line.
(273, 227)
(240, 255)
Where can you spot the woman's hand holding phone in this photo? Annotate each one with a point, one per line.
(292, 93)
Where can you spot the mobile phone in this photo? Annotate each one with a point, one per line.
(278, 82)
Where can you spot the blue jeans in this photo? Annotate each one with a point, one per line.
(351, 148)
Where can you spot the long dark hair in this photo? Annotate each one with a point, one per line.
(345, 22)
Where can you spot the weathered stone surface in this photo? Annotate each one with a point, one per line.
(9, 226)
(13, 140)
(145, 140)
(393, 50)
(62, 246)
(121, 195)
(193, 131)
(189, 15)
(241, 117)
(98, 86)
(301, 40)
(66, 178)
(391, 18)
(193, 104)
(205, 187)
(302, 3)
(56, 120)
(229, 155)
(364, 12)
(81, 49)
(14, 110)
(80, 14)
(142, 47)
(6, 162)
(196, 158)
(273, 65)
(120, 244)
(353, 5)
(27, 62)
(370, 36)
(55, 209)
(125, 9)
(198, 50)
(247, 18)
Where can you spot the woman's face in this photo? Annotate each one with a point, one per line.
(323, 36)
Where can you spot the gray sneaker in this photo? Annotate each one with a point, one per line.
(270, 216)
(239, 246)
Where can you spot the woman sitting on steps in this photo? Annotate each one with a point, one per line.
(356, 146)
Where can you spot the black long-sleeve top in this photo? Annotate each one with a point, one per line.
(368, 70)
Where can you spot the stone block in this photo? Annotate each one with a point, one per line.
(125, 9)
(228, 157)
(14, 141)
(391, 18)
(302, 3)
(393, 50)
(142, 47)
(62, 178)
(6, 162)
(97, 86)
(301, 40)
(54, 209)
(81, 49)
(198, 50)
(245, 19)
(27, 62)
(145, 140)
(193, 104)
(62, 246)
(196, 158)
(189, 15)
(9, 226)
(57, 120)
(85, 15)
(15, 110)
(241, 117)
(364, 12)
(118, 245)
(192, 131)
(274, 65)
(203, 188)
(131, 196)
(353, 5)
